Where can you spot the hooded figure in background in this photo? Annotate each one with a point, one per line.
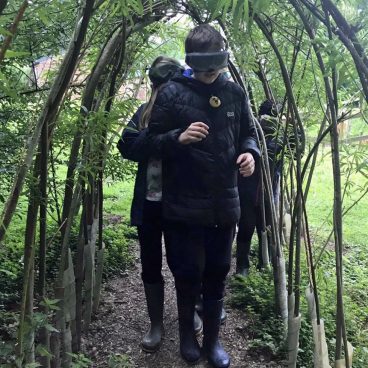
(250, 190)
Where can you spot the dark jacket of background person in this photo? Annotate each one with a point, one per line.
(132, 146)
(274, 136)
(250, 187)
(200, 180)
(135, 146)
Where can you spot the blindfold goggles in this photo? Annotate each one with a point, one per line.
(163, 72)
(207, 62)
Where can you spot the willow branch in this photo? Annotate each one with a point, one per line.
(12, 30)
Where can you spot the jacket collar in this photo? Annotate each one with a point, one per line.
(200, 86)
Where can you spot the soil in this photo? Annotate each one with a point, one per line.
(116, 332)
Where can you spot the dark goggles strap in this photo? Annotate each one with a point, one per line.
(208, 61)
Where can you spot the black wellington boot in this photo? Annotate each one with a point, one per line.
(189, 347)
(242, 258)
(198, 325)
(155, 305)
(212, 348)
(199, 305)
(199, 310)
(223, 315)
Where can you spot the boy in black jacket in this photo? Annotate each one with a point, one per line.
(212, 121)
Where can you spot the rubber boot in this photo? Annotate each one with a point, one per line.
(242, 258)
(212, 348)
(189, 347)
(198, 325)
(155, 305)
(199, 305)
(223, 315)
(199, 310)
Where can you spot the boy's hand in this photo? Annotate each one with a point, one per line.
(246, 164)
(194, 133)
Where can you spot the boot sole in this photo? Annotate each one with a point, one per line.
(151, 350)
(191, 362)
(212, 364)
(154, 349)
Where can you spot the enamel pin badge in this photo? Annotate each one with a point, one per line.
(215, 101)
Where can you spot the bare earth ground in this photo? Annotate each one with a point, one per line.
(122, 321)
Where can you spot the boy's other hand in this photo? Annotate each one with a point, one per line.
(246, 164)
(194, 133)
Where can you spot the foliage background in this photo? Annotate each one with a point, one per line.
(44, 35)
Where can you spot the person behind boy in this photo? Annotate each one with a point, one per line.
(146, 209)
(210, 118)
(250, 190)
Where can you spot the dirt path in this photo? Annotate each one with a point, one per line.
(116, 333)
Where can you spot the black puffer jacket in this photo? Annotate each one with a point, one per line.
(132, 147)
(200, 179)
(135, 146)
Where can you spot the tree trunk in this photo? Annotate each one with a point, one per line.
(26, 308)
(44, 333)
(86, 103)
(50, 109)
(340, 320)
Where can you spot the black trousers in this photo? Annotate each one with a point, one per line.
(150, 240)
(250, 220)
(199, 258)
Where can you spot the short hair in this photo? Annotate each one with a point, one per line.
(204, 38)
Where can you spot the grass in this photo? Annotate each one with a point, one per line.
(355, 259)
(255, 294)
(118, 198)
(320, 203)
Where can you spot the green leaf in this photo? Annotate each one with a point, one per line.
(18, 362)
(225, 9)
(42, 351)
(137, 6)
(51, 328)
(8, 273)
(237, 16)
(5, 32)
(43, 15)
(12, 54)
(234, 6)
(260, 6)
(246, 12)
(50, 303)
(219, 8)
(5, 87)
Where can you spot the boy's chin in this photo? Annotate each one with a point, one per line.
(207, 77)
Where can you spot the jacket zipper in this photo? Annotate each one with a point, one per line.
(216, 191)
